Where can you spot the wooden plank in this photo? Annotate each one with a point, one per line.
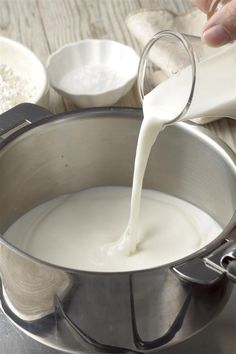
(177, 6)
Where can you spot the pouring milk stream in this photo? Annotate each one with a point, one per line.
(211, 99)
(88, 227)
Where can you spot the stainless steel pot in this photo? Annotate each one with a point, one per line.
(136, 311)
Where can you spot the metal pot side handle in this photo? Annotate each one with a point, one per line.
(207, 270)
(223, 260)
(19, 116)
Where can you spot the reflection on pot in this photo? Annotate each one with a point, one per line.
(29, 288)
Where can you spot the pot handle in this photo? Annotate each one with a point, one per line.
(223, 260)
(21, 115)
(207, 270)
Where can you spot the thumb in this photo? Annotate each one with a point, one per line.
(221, 27)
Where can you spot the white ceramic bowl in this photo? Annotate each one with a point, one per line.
(93, 72)
(23, 61)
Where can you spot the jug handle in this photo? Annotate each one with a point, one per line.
(20, 116)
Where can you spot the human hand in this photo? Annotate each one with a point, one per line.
(220, 29)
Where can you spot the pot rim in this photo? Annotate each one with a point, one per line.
(136, 114)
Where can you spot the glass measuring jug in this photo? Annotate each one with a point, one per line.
(184, 78)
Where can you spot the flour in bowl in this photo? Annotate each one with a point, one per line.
(15, 88)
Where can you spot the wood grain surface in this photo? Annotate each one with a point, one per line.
(46, 25)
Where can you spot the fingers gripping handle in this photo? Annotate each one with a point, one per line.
(216, 5)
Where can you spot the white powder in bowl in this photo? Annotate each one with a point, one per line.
(91, 79)
(15, 88)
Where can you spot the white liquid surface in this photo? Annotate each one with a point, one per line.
(72, 230)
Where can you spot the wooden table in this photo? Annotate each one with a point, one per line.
(46, 25)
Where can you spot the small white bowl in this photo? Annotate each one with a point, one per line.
(24, 62)
(93, 72)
